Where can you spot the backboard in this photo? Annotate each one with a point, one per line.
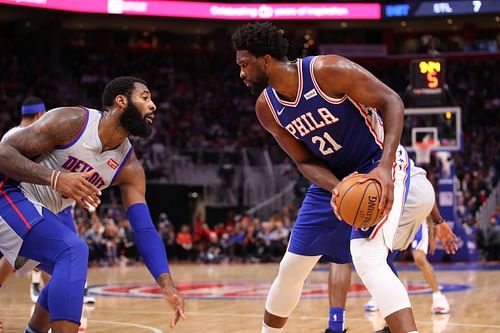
(443, 125)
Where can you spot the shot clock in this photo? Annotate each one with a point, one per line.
(427, 76)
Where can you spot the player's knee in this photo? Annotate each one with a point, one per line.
(77, 253)
(366, 256)
(419, 258)
(291, 273)
(79, 249)
(286, 275)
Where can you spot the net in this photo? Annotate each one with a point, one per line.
(423, 151)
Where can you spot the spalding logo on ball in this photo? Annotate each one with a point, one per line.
(357, 203)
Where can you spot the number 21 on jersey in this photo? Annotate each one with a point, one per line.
(327, 144)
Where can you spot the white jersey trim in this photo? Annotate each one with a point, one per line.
(273, 111)
(374, 124)
(329, 99)
(299, 92)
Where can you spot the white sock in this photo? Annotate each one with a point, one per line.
(36, 276)
(267, 329)
(413, 332)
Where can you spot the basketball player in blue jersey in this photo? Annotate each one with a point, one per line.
(323, 111)
(32, 109)
(69, 156)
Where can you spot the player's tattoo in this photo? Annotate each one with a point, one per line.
(55, 128)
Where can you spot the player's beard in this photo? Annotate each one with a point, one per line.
(133, 121)
(260, 83)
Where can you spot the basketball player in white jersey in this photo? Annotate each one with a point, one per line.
(324, 112)
(68, 156)
(423, 243)
(32, 109)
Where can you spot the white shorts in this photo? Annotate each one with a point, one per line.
(413, 201)
(421, 240)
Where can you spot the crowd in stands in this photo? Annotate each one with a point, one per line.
(202, 103)
(241, 238)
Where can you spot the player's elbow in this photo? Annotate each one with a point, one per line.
(3, 154)
(395, 101)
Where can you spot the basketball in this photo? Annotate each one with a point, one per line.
(357, 203)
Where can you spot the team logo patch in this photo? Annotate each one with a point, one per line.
(310, 94)
(248, 290)
(112, 164)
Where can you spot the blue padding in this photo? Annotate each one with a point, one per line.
(148, 241)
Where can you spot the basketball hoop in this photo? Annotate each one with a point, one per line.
(423, 151)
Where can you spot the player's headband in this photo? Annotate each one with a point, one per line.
(32, 109)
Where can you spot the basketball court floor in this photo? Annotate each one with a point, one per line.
(230, 298)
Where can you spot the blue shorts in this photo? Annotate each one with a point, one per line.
(317, 230)
(67, 218)
(32, 231)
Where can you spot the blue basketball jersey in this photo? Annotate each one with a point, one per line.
(344, 134)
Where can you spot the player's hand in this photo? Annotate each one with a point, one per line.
(335, 193)
(447, 238)
(76, 186)
(177, 303)
(384, 176)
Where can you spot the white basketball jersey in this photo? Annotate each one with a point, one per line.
(83, 154)
(10, 132)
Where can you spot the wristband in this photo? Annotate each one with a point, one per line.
(439, 221)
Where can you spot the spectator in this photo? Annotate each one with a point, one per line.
(184, 242)
(213, 253)
(493, 239)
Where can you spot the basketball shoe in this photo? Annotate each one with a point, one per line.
(439, 304)
(86, 298)
(330, 331)
(386, 329)
(371, 306)
(34, 292)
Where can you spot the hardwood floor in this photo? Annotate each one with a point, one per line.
(230, 298)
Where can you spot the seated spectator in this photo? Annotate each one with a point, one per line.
(184, 242)
(493, 239)
(279, 238)
(126, 242)
(167, 235)
(110, 241)
(237, 242)
(213, 253)
(95, 242)
(263, 242)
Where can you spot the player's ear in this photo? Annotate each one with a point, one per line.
(267, 59)
(121, 100)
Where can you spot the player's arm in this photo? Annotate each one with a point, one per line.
(132, 182)
(311, 167)
(57, 127)
(443, 231)
(432, 236)
(339, 76)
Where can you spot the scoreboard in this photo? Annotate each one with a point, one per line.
(441, 8)
(427, 76)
